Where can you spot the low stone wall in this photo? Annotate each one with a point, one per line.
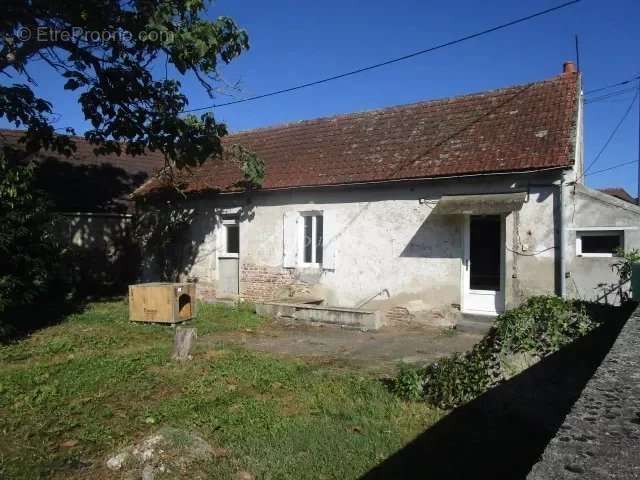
(349, 317)
(600, 437)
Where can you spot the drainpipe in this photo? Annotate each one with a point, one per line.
(563, 237)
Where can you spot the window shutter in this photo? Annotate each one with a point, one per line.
(217, 245)
(330, 239)
(290, 240)
(212, 245)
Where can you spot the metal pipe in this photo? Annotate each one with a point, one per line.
(363, 303)
(563, 236)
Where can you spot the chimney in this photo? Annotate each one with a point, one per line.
(569, 67)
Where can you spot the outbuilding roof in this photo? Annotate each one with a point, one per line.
(519, 128)
(620, 193)
(150, 163)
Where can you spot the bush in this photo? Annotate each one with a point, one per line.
(31, 255)
(540, 326)
(408, 383)
(456, 379)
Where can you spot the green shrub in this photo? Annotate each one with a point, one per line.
(456, 379)
(408, 383)
(542, 325)
(30, 251)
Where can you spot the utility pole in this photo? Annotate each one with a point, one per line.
(638, 159)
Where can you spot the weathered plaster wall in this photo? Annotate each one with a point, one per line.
(532, 242)
(589, 208)
(386, 239)
(104, 250)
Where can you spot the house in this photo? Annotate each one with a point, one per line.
(92, 193)
(620, 193)
(421, 211)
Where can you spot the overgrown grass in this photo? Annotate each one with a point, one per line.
(73, 393)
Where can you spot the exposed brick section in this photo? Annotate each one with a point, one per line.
(258, 283)
(205, 291)
(398, 314)
(524, 127)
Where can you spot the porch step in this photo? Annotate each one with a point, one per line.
(475, 323)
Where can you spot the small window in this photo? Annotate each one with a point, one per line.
(312, 227)
(604, 243)
(233, 238)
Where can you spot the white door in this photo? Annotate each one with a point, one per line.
(229, 259)
(483, 265)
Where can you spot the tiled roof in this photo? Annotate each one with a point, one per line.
(149, 163)
(518, 128)
(620, 193)
(85, 182)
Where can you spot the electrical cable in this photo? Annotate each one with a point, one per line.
(613, 133)
(388, 62)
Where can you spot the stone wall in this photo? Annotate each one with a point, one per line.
(600, 436)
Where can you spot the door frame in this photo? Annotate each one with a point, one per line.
(222, 247)
(465, 272)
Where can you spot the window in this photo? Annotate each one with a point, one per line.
(231, 236)
(233, 239)
(312, 231)
(599, 243)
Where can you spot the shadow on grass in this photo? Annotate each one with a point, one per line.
(502, 433)
(19, 323)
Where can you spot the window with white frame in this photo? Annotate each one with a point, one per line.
(311, 238)
(599, 243)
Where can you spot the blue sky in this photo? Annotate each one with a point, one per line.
(295, 42)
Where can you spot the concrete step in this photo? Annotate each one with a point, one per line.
(475, 323)
(345, 316)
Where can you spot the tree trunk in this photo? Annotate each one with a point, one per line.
(182, 343)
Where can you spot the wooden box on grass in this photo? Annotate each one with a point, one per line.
(162, 302)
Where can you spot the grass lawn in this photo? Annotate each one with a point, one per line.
(74, 393)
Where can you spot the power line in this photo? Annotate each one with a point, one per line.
(389, 62)
(607, 96)
(611, 168)
(613, 133)
(619, 84)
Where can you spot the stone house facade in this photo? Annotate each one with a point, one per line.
(469, 204)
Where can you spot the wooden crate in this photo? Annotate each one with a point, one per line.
(162, 302)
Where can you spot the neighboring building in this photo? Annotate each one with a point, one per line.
(620, 193)
(92, 193)
(419, 211)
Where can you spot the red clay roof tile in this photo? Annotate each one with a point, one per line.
(620, 193)
(518, 128)
(150, 163)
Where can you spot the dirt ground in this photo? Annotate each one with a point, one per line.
(376, 352)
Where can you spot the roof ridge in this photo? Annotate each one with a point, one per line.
(434, 101)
